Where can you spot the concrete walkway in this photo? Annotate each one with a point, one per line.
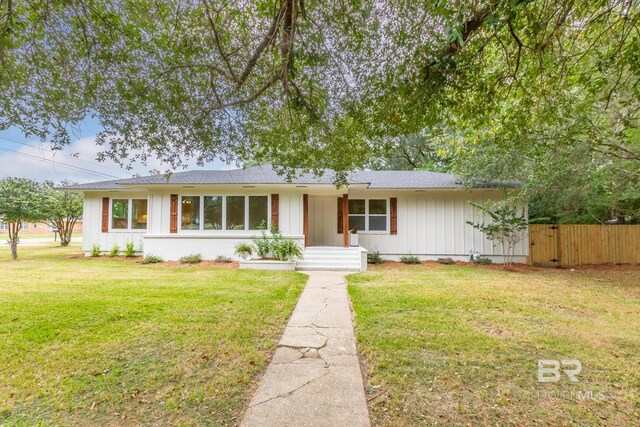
(314, 378)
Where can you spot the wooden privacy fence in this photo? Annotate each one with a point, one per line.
(579, 244)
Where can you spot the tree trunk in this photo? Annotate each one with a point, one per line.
(65, 238)
(14, 249)
(14, 228)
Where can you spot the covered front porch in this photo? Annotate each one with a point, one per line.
(328, 218)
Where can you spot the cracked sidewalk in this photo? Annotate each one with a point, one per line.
(314, 378)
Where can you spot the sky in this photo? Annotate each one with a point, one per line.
(31, 158)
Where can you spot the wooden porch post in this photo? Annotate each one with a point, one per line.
(305, 218)
(345, 220)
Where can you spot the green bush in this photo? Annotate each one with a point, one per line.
(222, 258)
(151, 259)
(264, 244)
(244, 248)
(95, 250)
(191, 259)
(410, 259)
(374, 258)
(115, 251)
(129, 250)
(483, 261)
(446, 261)
(284, 249)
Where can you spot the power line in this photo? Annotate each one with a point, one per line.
(80, 160)
(43, 159)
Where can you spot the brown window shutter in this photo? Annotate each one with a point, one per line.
(173, 216)
(275, 210)
(105, 214)
(394, 215)
(339, 215)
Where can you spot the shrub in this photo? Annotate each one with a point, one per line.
(483, 261)
(284, 249)
(151, 259)
(191, 259)
(446, 261)
(95, 250)
(129, 250)
(244, 248)
(264, 243)
(115, 251)
(222, 258)
(374, 258)
(410, 259)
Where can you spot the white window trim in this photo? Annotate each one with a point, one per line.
(224, 230)
(366, 215)
(129, 215)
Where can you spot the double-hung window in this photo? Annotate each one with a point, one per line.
(232, 213)
(369, 215)
(128, 214)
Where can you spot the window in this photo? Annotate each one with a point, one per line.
(128, 214)
(3, 226)
(357, 214)
(368, 214)
(258, 211)
(139, 214)
(120, 214)
(232, 213)
(377, 215)
(190, 219)
(212, 212)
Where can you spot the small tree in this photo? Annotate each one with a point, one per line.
(503, 223)
(61, 210)
(20, 201)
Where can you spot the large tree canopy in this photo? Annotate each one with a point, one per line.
(508, 88)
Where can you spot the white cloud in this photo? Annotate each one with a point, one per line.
(38, 161)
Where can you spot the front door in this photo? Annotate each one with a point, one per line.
(323, 221)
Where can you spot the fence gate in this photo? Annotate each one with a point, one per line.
(544, 241)
(582, 244)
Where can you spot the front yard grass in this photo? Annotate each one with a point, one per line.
(459, 345)
(112, 342)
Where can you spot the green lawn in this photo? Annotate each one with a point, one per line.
(109, 341)
(458, 345)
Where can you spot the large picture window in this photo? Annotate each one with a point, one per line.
(368, 214)
(232, 213)
(212, 213)
(235, 212)
(258, 211)
(128, 214)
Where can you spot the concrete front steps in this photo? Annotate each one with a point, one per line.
(333, 258)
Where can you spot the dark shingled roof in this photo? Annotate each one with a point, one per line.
(268, 175)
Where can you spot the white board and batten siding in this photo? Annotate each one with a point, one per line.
(157, 239)
(92, 217)
(431, 224)
(211, 244)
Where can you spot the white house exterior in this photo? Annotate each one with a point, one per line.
(208, 212)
